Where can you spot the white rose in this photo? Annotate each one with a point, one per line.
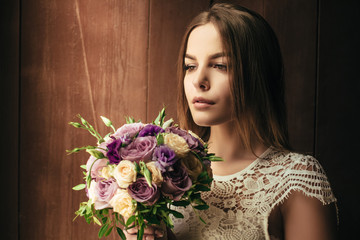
(125, 173)
(156, 176)
(122, 203)
(176, 143)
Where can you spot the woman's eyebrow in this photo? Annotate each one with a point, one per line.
(213, 56)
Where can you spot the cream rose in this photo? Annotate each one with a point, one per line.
(91, 192)
(177, 144)
(122, 203)
(155, 173)
(125, 173)
(107, 172)
(193, 166)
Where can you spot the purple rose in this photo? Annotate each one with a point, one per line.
(96, 166)
(176, 183)
(102, 191)
(150, 130)
(130, 130)
(192, 141)
(164, 157)
(142, 192)
(140, 149)
(114, 151)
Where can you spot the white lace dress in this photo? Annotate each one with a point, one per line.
(240, 204)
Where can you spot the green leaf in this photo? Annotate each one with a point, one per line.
(214, 158)
(202, 220)
(201, 207)
(83, 166)
(140, 233)
(160, 139)
(176, 214)
(102, 230)
(79, 187)
(160, 118)
(121, 233)
(104, 220)
(108, 231)
(146, 172)
(130, 220)
(95, 153)
(200, 187)
(181, 203)
(152, 220)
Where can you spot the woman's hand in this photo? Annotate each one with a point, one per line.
(151, 232)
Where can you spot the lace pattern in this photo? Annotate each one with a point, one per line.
(241, 203)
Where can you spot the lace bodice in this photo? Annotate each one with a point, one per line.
(241, 203)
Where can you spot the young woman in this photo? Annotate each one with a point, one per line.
(231, 93)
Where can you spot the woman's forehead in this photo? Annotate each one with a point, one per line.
(204, 40)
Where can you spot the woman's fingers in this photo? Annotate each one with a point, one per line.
(130, 236)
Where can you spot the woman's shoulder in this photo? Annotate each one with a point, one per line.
(300, 172)
(294, 161)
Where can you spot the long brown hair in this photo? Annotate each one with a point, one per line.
(255, 71)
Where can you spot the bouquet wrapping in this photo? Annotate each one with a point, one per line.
(136, 173)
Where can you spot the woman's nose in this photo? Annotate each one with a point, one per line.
(201, 79)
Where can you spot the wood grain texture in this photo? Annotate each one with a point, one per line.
(295, 24)
(255, 5)
(9, 109)
(86, 57)
(168, 21)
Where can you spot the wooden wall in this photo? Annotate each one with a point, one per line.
(118, 58)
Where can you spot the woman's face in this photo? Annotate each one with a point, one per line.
(206, 80)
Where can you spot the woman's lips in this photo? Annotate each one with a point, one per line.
(202, 103)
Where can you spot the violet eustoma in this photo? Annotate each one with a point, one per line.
(142, 192)
(164, 157)
(114, 151)
(150, 130)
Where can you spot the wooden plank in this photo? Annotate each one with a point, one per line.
(255, 5)
(339, 107)
(9, 108)
(168, 21)
(295, 23)
(86, 57)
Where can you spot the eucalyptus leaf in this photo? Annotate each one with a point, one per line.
(103, 230)
(121, 233)
(181, 203)
(200, 187)
(201, 207)
(108, 231)
(130, 220)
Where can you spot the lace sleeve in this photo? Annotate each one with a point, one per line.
(304, 174)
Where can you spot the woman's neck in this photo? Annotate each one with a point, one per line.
(226, 143)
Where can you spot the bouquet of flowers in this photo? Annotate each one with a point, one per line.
(135, 174)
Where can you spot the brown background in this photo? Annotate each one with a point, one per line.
(117, 58)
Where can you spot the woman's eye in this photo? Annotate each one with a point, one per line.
(221, 67)
(189, 67)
